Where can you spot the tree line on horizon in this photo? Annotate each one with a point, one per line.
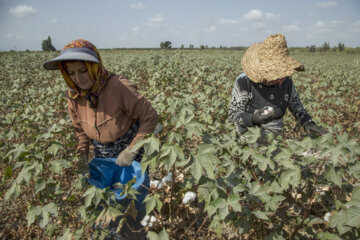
(47, 46)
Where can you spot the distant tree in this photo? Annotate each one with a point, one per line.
(191, 46)
(47, 45)
(312, 48)
(202, 47)
(326, 46)
(220, 46)
(182, 46)
(165, 45)
(341, 46)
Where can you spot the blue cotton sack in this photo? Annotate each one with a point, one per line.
(104, 173)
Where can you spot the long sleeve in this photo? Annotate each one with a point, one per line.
(137, 107)
(82, 139)
(296, 107)
(241, 97)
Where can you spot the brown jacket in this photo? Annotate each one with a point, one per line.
(119, 105)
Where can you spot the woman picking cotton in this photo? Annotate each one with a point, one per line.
(106, 110)
(265, 90)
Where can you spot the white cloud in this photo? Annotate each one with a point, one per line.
(54, 20)
(210, 29)
(138, 6)
(327, 4)
(272, 17)
(321, 26)
(136, 29)
(356, 26)
(19, 37)
(22, 11)
(291, 28)
(9, 35)
(156, 21)
(258, 15)
(259, 25)
(254, 15)
(228, 21)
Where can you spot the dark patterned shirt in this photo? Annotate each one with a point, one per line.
(248, 96)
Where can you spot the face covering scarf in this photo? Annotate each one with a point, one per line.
(96, 71)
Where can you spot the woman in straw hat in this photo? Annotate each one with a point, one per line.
(264, 90)
(105, 109)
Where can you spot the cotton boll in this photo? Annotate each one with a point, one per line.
(154, 183)
(168, 178)
(152, 219)
(268, 110)
(189, 197)
(327, 216)
(145, 221)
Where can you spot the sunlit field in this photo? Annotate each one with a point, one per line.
(295, 188)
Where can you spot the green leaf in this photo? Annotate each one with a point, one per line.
(66, 236)
(39, 185)
(219, 203)
(58, 165)
(196, 169)
(152, 235)
(353, 217)
(151, 202)
(32, 213)
(233, 201)
(13, 191)
(51, 228)
(261, 215)
(54, 148)
(327, 236)
(274, 203)
(335, 177)
(172, 153)
(151, 145)
(291, 176)
(163, 235)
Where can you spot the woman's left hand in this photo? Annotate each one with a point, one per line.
(313, 130)
(125, 157)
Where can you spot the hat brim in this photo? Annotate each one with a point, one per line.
(264, 69)
(53, 64)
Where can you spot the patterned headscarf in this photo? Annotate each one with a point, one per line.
(96, 71)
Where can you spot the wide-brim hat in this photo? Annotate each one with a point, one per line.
(269, 60)
(72, 54)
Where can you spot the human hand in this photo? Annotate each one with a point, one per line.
(125, 157)
(82, 164)
(263, 115)
(313, 130)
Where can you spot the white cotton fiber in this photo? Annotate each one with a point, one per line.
(168, 178)
(154, 183)
(327, 216)
(189, 197)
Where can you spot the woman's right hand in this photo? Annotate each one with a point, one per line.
(262, 116)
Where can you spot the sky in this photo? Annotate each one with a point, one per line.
(24, 24)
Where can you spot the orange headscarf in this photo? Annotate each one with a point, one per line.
(96, 71)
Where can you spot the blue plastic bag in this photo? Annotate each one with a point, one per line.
(104, 173)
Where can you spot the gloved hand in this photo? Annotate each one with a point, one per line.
(82, 164)
(263, 115)
(125, 157)
(312, 129)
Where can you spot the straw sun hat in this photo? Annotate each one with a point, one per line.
(269, 60)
